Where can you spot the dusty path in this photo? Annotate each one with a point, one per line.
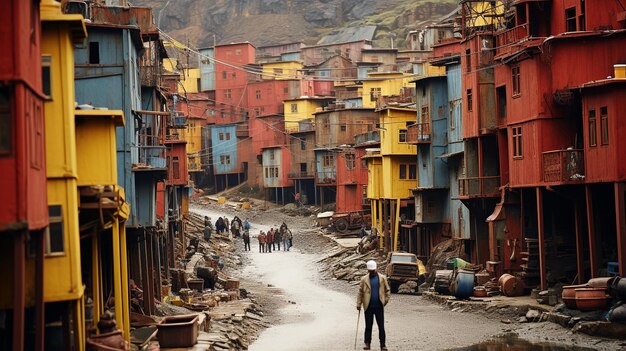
(309, 313)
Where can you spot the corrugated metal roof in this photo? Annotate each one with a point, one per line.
(349, 35)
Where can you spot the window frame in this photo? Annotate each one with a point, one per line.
(470, 100)
(350, 161)
(517, 141)
(592, 126)
(403, 168)
(403, 134)
(54, 220)
(604, 126)
(6, 120)
(516, 81)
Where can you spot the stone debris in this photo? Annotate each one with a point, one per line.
(347, 264)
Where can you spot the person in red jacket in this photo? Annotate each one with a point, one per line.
(262, 239)
(270, 240)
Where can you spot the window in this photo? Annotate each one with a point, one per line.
(517, 142)
(470, 100)
(94, 53)
(570, 19)
(343, 127)
(278, 71)
(221, 136)
(257, 111)
(350, 161)
(175, 167)
(224, 74)
(234, 74)
(592, 128)
(238, 52)
(272, 154)
(604, 125)
(402, 135)
(225, 159)
(55, 240)
(402, 171)
(468, 60)
(294, 107)
(452, 122)
(302, 144)
(286, 90)
(515, 78)
(6, 95)
(227, 93)
(45, 75)
(227, 136)
(412, 171)
(258, 94)
(303, 168)
(328, 160)
(267, 173)
(375, 93)
(501, 101)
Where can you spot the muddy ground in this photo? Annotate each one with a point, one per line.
(310, 313)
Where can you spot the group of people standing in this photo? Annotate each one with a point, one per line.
(268, 242)
(271, 240)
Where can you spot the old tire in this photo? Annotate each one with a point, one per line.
(341, 225)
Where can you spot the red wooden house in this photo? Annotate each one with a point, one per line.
(540, 66)
(24, 205)
(231, 79)
(351, 180)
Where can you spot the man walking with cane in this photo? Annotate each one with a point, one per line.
(374, 293)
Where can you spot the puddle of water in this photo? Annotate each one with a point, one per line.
(515, 344)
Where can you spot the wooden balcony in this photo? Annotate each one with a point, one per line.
(326, 178)
(242, 131)
(479, 187)
(563, 166)
(150, 76)
(418, 133)
(515, 39)
(301, 175)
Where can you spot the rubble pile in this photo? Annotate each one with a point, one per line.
(201, 285)
(348, 264)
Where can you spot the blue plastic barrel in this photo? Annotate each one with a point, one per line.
(464, 284)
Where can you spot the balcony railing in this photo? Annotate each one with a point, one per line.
(299, 175)
(149, 75)
(326, 178)
(418, 133)
(373, 136)
(563, 166)
(471, 187)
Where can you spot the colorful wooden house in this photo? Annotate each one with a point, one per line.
(392, 171)
(281, 70)
(276, 167)
(384, 84)
(24, 206)
(63, 297)
(207, 69)
(351, 180)
(228, 167)
(303, 164)
(302, 108)
(231, 80)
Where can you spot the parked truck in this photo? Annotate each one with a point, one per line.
(403, 267)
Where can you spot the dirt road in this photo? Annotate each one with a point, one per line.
(309, 313)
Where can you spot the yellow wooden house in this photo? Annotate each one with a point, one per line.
(282, 70)
(384, 84)
(103, 214)
(392, 173)
(63, 297)
(300, 109)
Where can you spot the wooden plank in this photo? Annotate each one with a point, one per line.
(592, 232)
(620, 225)
(542, 239)
(579, 241)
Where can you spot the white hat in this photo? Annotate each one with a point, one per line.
(371, 265)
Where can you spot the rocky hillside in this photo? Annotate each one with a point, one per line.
(265, 22)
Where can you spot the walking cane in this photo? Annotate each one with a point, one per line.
(356, 334)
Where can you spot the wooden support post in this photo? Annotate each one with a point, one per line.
(620, 225)
(117, 275)
(146, 282)
(381, 233)
(579, 241)
(125, 285)
(392, 225)
(542, 239)
(385, 223)
(591, 228)
(397, 226)
(19, 287)
(39, 302)
(96, 276)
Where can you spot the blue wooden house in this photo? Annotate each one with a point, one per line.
(207, 69)
(107, 75)
(439, 214)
